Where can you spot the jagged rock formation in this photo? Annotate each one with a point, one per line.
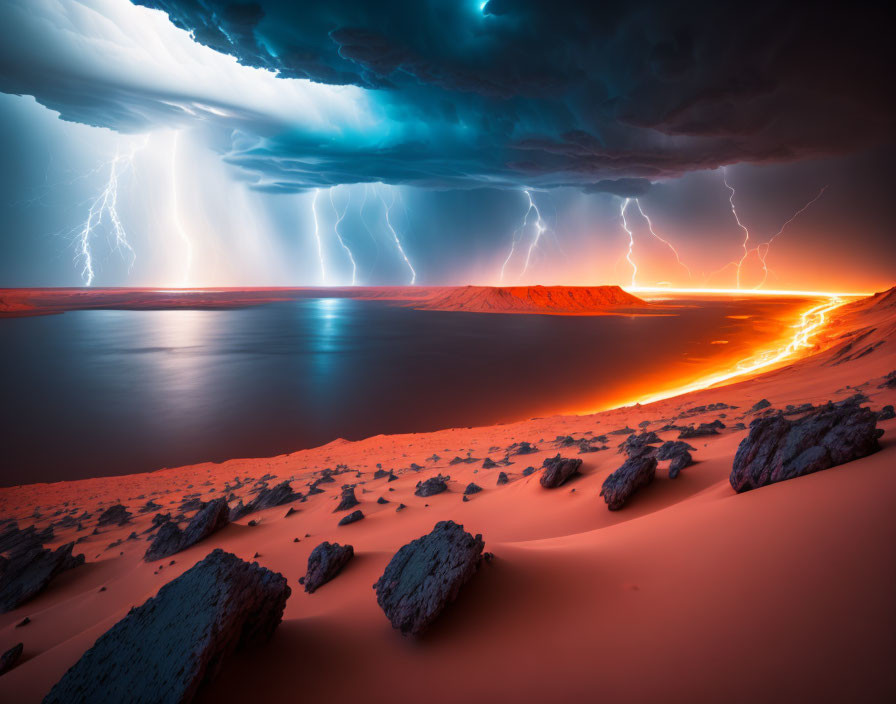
(170, 539)
(266, 498)
(636, 472)
(28, 570)
(502, 478)
(353, 517)
(558, 469)
(701, 430)
(166, 649)
(114, 515)
(9, 659)
(348, 499)
(759, 405)
(472, 488)
(635, 445)
(778, 448)
(325, 562)
(427, 574)
(678, 452)
(14, 540)
(432, 486)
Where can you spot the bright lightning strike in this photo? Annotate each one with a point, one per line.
(395, 237)
(743, 227)
(320, 249)
(665, 242)
(631, 241)
(106, 203)
(339, 218)
(540, 227)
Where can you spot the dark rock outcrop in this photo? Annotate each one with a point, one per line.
(558, 469)
(353, 517)
(14, 540)
(759, 405)
(427, 574)
(114, 515)
(886, 413)
(266, 498)
(348, 499)
(150, 506)
(432, 486)
(635, 473)
(678, 452)
(26, 573)
(170, 539)
(635, 445)
(502, 478)
(166, 649)
(472, 488)
(778, 448)
(9, 659)
(325, 562)
(702, 430)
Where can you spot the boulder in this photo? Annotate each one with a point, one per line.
(26, 573)
(432, 486)
(678, 452)
(759, 405)
(558, 469)
(778, 448)
(325, 562)
(266, 498)
(502, 479)
(170, 539)
(166, 649)
(114, 515)
(636, 472)
(472, 488)
(886, 413)
(635, 445)
(427, 574)
(348, 499)
(9, 659)
(353, 517)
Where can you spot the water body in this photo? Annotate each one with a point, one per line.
(104, 392)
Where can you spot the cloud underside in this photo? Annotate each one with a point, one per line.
(445, 94)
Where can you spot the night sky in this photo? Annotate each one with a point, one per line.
(211, 142)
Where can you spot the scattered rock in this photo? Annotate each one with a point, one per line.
(701, 430)
(170, 539)
(889, 381)
(489, 463)
(636, 472)
(9, 659)
(400, 507)
(266, 498)
(348, 499)
(353, 517)
(472, 488)
(150, 506)
(522, 448)
(886, 413)
(678, 452)
(14, 541)
(759, 405)
(114, 515)
(381, 500)
(427, 574)
(432, 486)
(187, 631)
(24, 622)
(778, 448)
(27, 573)
(325, 562)
(502, 478)
(558, 469)
(527, 471)
(635, 445)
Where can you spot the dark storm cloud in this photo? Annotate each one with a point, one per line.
(527, 92)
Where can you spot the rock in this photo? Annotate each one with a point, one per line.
(622, 431)
(679, 462)
(635, 445)
(701, 430)
(636, 472)
(348, 500)
(889, 381)
(24, 622)
(502, 478)
(886, 413)
(778, 448)
(759, 405)
(290, 511)
(380, 473)
(678, 452)
(527, 471)
(558, 469)
(400, 507)
(149, 506)
(427, 574)
(9, 659)
(170, 539)
(325, 562)
(381, 500)
(472, 488)
(489, 463)
(522, 448)
(14, 541)
(432, 486)
(266, 498)
(114, 515)
(27, 573)
(353, 517)
(193, 503)
(166, 649)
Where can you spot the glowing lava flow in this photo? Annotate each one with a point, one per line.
(809, 323)
(339, 218)
(106, 202)
(320, 250)
(631, 241)
(395, 236)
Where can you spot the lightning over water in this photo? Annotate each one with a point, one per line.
(320, 249)
(395, 238)
(340, 216)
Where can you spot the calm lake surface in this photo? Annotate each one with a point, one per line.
(102, 392)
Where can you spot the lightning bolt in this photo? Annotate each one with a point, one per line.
(339, 218)
(739, 264)
(395, 237)
(106, 204)
(665, 242)
(320, 250)
(631, 241)
(540, 227)
(175, 214)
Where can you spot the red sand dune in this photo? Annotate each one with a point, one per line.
(576, 300)
(690, 593)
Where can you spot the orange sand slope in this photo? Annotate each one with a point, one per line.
(690, 593)
(566, 300)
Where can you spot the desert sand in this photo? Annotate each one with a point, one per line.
(690, 593)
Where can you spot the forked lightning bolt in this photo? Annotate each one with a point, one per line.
(320, 250)
(394, 234)
(631, 241)
(540, 227)
(665, 242)
(339, 218)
